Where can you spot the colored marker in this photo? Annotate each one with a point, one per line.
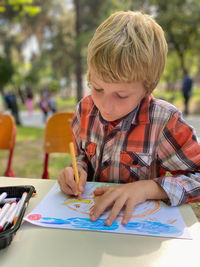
(10, 218)
(7, 215)
(2, 196)
(10, 199)
(4, 210)
(20, 205)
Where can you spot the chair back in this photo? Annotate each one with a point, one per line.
(7, 132)
(58, 133)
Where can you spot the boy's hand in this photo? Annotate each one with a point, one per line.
(127, 195)
(67, 182)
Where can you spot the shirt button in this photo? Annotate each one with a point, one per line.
(135, 161)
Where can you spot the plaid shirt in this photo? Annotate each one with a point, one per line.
(151, 142)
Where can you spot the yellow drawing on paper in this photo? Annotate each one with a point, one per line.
(84, 206)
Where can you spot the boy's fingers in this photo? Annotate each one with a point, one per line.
(82, 179)
(128, 212)
(101, 190)
(61, 183)
(115, 210)
(71, 181)
(63, 186)
(106, 201)
(67, 181)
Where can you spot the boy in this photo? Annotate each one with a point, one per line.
(122, 133)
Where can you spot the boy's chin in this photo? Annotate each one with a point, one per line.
(109, 118)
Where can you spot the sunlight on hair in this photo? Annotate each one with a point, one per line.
(127, 47)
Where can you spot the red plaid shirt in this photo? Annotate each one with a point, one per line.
(149, 143)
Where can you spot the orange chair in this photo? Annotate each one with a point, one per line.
(7, 139)
(57, 137)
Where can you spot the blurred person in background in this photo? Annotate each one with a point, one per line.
(52, 103)
(187, 91)
(44, 106)
(11, 102)
(29, 101)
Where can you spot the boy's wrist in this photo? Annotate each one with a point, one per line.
(83, 165)
(154, 191)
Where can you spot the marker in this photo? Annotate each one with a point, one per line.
(10, 199)
(4, 210)
(2, 196)
(7, 215)
(20, 205)
(10, 218)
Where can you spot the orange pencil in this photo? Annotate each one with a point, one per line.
(72, 151)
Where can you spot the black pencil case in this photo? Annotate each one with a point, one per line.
(15, 192)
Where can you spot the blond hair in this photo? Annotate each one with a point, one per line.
(128, 47)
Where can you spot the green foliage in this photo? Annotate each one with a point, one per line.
(53, 24)
(6, 71)
(172, 70)
(16, 9)
(180, 21)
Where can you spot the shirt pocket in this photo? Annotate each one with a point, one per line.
(90, 150)
(134, 166)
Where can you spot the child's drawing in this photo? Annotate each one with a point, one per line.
(88, 200)
(150, 218)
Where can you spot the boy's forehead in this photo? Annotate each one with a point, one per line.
(116, 86)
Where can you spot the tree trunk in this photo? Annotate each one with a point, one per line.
(78, 56)
(182, 61)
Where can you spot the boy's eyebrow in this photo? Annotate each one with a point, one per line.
(95, 83)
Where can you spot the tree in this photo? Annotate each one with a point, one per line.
(13, 14)
(86, 20)
(6, 71)
(180, 21)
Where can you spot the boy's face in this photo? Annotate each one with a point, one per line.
(116, 100)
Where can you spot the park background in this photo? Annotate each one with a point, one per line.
(43, 46)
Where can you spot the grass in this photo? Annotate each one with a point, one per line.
(28, 155)
(28, 158)
(66, 103)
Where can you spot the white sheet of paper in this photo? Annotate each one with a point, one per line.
(153, 218)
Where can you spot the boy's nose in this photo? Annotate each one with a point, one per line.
(107, 105)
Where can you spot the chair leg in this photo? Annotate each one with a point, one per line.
(9, 172)
(45, 174)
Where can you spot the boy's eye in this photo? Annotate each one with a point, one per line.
(98, 90)
(122, 97)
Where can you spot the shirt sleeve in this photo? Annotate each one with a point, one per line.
(179, 155)
(81, 157)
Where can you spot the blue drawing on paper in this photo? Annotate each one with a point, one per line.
(83, 223)
(150, 227)
(149, 218)
(49, 220)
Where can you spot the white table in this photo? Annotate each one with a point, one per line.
(35, 246)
